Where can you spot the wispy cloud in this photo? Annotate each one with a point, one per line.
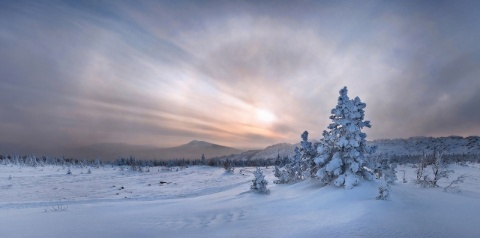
(163, 73)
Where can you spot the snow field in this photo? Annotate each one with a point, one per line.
(203, 201)
(31, 185)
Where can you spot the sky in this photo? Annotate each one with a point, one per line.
(246, 74)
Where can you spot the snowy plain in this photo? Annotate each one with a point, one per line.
(202, 201)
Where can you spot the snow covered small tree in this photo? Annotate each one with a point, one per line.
(297, 166)
(342, 150)
(420, 171)
(439, 169)
(277, 173)
(259, 184)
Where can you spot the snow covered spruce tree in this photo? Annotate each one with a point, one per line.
(342, 150)
(300, 166)
(292, 171)
(308, 154)
(259, 184)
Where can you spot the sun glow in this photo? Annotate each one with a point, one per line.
(265, 116)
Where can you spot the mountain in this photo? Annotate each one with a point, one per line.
(195, 149)
(282, 149)
(270, 152)
(191, 150)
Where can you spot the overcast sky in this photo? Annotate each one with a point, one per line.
(236, 73)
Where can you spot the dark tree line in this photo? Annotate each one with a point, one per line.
(214, 162)
(32, 160)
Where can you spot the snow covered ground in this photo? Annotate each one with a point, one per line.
(203, 201)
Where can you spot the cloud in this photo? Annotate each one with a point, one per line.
(164, 73)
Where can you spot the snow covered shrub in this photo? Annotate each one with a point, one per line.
(30, 161)
(383, 191)
(57, 208)
(6, 161)
(259, 184)
(284, 175)
(451, 188)
(16, 160)
(342, 150)
(228, 166)
(387, 169)
(98, 162)
(69, 172)
(380, 166)
(89, 171)
(404, 179)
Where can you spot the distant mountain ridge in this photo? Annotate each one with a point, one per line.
(410, 146)
(191, 150)
(194, 149)
(419, 145)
